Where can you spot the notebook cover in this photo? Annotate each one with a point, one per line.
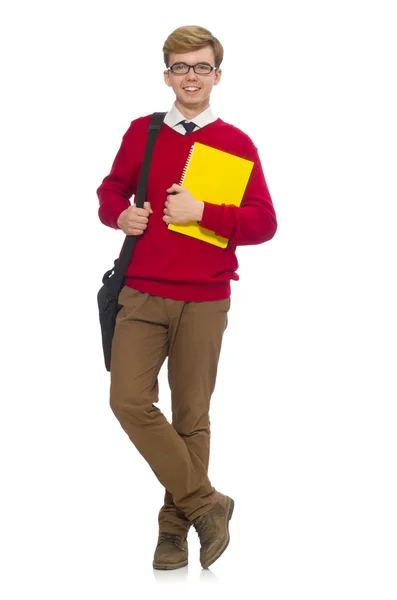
(214, 176)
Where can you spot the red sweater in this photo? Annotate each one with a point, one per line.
(166, 263)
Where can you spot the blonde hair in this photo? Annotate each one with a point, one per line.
(191, 37)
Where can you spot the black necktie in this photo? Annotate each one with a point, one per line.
(188, 126)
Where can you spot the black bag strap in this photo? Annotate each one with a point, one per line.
(120, 265)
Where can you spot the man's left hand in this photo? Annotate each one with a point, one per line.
(181, 207)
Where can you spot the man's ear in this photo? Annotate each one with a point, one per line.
(218, 75)
(167, 78)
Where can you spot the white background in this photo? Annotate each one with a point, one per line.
(303, 415)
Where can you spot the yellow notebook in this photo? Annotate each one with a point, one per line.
(214, 176)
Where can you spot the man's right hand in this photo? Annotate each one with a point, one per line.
(133, 220)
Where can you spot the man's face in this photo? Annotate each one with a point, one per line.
(193, 101)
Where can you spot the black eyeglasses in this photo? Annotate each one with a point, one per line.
(200, 68)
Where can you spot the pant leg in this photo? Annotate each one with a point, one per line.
(140, 346)
(195, 345)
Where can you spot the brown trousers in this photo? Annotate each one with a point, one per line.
(148, 329)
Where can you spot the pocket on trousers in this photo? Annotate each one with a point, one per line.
(128, 292)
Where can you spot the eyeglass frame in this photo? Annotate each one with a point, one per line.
(192, 67)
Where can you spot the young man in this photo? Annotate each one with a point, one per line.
(177, 295)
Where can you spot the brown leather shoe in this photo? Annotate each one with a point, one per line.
(213, 530)
(171, 551)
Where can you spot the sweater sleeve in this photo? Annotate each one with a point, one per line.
(253, 222)
(116, 189)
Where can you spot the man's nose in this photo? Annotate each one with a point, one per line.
(191, 72)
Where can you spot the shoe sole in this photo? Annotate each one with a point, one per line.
(222, 548)
(170, 567)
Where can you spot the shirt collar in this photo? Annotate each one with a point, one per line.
(174, 116)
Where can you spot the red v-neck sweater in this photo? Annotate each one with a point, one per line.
(166, 263)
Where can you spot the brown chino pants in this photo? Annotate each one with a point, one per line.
(148, 329)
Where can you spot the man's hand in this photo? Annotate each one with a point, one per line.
(133, 220)
(181, 207)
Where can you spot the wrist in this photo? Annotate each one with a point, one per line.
(200, 211)
(120, 219)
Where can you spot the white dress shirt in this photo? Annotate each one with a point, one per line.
(174, 117)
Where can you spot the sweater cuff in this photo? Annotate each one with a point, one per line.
(114, 218)
(110, 218)
(212, 216)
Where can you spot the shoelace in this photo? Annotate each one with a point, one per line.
(200, 525)
(169, 537)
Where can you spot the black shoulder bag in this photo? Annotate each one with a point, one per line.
(113, 280)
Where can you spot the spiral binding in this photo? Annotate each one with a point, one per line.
(187, 164)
